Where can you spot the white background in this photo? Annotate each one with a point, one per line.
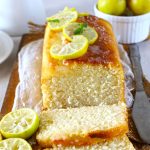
(52, 6)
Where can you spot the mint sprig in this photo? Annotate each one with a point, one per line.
(54, 20)
(80, 29)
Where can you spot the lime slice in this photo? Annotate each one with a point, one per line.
(14, 144)
(67, 8)
(61, 19)
(21, 123)
(74, 49)
(82, 29)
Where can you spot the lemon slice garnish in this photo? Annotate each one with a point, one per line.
(14, 144)
(67, 8)
(71, 50)
(62, 18)
(21, 123)
(82, 29)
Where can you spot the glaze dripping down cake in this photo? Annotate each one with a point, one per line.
(95, 77)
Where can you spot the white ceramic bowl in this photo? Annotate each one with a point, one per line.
(128, 29)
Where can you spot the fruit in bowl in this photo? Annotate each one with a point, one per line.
(112, 7)
(124, 7)
(129, 27)
(139, 7)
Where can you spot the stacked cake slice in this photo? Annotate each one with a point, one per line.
(82, 126)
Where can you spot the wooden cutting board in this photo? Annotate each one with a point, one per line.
(14, 80)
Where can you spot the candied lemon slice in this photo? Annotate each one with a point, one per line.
(21, 123)
(62, 18)
(82, 29)
(14, 144)
(71, 50)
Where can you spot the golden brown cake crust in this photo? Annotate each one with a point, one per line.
(104, 50)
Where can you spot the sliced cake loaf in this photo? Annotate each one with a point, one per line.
(82, 126)
(83, 98)
(89, 80)
(118, 143)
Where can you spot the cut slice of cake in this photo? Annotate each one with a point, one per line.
(82, 126)
(95, 77)
(118, 143)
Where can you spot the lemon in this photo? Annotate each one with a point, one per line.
(62, 18)
(21, 123)
(14, 144)
(71, 50)
(80, 28)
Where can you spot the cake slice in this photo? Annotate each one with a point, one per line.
(118, 143)
(95, 77)
(82, 126)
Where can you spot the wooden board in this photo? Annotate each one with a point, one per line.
(14, 80)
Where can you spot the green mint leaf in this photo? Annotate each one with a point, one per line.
(85, 25)
(80, 29)
(54, 20)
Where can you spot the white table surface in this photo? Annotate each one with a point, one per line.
(51, 7)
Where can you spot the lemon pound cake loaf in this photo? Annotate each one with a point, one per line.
(95, 77)
(118, 143)
(82, 126)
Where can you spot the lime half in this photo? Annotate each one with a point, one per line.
(21, 123)
(14, 144)
(74, 49)
(61, 19)
(75, 28)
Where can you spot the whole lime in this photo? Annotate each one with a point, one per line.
(112, 7)
(139, 7)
